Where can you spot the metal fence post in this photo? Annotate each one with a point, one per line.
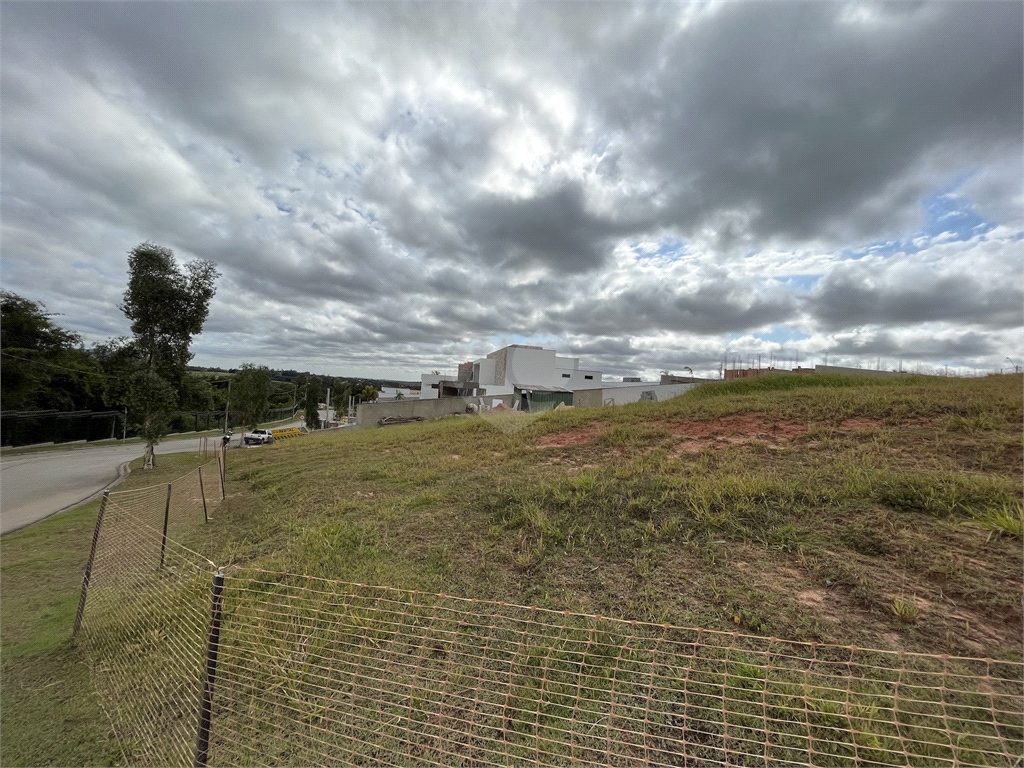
(167, 515)
(210, 673)
(222, 463)
(88, 565)
(202, 492)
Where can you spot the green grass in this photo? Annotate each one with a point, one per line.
(627, 523)
(49, 712)
(899, 530)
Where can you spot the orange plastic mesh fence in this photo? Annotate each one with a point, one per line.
(318, 672)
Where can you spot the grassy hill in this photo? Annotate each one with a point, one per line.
(882, 513)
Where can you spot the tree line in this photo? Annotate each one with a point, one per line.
(46, 367)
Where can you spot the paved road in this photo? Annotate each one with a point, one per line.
(34, 486)
(37, 485)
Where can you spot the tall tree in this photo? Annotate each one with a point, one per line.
(250, 394)
(340, 392)
(314, 392)
(167, 306)
(44, 365)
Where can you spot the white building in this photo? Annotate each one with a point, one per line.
(528, 373)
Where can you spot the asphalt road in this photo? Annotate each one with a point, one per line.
(36, 485)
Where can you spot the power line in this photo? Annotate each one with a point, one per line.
(59, 367)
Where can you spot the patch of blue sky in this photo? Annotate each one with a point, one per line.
(800, 282)
(948, 216)
(781, 334)
(946, 212)
(671, 248)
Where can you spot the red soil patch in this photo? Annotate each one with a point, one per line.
(750, 425)
(859, 422)
(734, 430)
(573, 437)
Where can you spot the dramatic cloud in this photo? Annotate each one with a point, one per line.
(392, 188)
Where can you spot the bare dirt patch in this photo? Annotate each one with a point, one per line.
(734, 430)
(572, 437)
(858, 423)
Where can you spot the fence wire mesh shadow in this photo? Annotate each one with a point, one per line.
(317, 672)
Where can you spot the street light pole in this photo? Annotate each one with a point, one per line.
(227, 406)
(227, 402)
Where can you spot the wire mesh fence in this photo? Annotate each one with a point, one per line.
(317, 672)
(143, 617)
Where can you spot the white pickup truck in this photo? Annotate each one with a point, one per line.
(258, 437)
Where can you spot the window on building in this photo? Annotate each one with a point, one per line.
(565, 375)
(433, 386)
(589, 378)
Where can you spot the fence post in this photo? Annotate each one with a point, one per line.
(88, 565)
(222, 463)
(167, 515)
(210, 672)
(202, 492)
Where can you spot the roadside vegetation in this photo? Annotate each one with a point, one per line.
(879, 513)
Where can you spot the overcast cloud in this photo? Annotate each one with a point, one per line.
(393, 188)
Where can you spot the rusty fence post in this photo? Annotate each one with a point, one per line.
(202, 492)
(167, 516)
(210, 672)
(88, 565)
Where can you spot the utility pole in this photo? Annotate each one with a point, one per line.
(227, 406)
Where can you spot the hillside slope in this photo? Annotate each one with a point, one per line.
(881, 513)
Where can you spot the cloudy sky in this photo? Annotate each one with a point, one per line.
(391, 188)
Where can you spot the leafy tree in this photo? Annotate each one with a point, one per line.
(369, 394)
(250, 394)
(43, 365)
(341, 391)
(311, 401)
(167, 306)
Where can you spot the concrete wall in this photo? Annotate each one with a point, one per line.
(524, 365)
(593, 398)
(622, 395)
(587, 398)
(367, 414)
(486, 371)
(856, 371)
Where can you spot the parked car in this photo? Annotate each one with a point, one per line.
(259, 437)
